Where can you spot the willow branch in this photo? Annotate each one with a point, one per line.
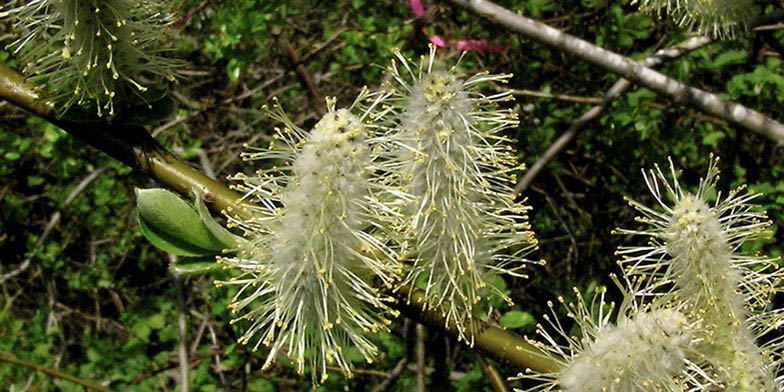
(498, 342)
(611, 95)
(135, 147)
(130, 144)
(632, 70)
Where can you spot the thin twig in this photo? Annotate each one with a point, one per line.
(197, 336)
(363, 372)
(323, 45)
(256, 89)
(53, 220)
(51, 372)
(194, 360)
(777, 26)
(176, 120)
(632, 70)
(420, 357)
(612, 94)
(392, 376)
(182, 336)
(305, 76)
(214, 339)
(493, 375)
(562, 97)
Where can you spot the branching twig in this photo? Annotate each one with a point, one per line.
(612, 94)
(305, 76)
(392, 376)
(632, 70)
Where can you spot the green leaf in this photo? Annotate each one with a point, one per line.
(220, 233)
(730, 57)
(173, 226)
(516, 319)
(260, 385)
(712, 139)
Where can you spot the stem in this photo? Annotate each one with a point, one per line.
(128, 143)
(136, 148)
(51, 372)
(498, 342)
(632, 70)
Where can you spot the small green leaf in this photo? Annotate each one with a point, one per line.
(173, 226)
(712, 139)
(260, 385)
(228, 239)
(730, 57)
(167, 243)
(34, 181)
(516, 319)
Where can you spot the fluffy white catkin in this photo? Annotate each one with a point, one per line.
(91, 51)
(691, 257)
(646, 350)
(307, 275)
(454, 161)
(640, 353)
(719, 18)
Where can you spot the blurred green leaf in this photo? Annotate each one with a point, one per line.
(516, 319)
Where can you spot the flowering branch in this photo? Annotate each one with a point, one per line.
(133, 146)
(632, 70)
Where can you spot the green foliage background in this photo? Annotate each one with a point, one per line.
(97, 301)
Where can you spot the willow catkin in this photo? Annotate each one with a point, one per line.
(309, 274)
(692, 257)
(94, 52)
(450, 155)
(718, 18)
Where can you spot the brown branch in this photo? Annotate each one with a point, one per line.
(420, 358)
(562, 97)
(632, 70)
(392, 376)
(612, 94)
(305, 77)
(493, 375)
(182, 331)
